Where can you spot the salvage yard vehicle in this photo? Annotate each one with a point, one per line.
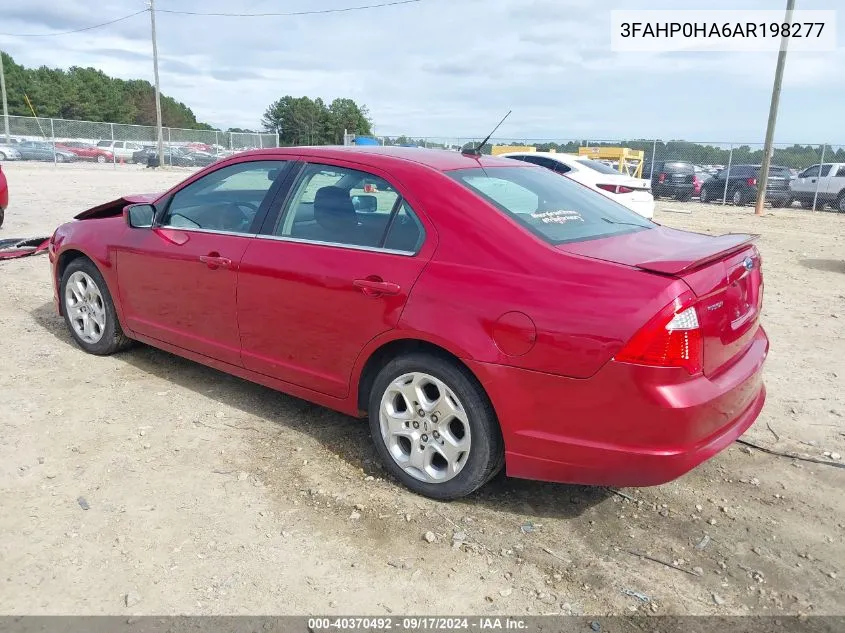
(4, 195)
(481, 312)
(671, 179)
(740, 183)
(631, 192)
(40, 150)
(86, 151)
(823, 183)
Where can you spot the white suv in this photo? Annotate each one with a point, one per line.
(121, 149)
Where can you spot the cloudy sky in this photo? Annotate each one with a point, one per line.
(447, 68)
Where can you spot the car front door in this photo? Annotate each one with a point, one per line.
(178, 280)
(329, 274)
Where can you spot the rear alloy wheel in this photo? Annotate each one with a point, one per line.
(88, 309)
(60, 158)
(738, 197)
(840, 203)
(101, 159)
(434, 427)
(703, 196)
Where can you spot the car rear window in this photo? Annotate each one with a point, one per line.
(780, 172)
(677, 167)
(597, 166)
(556, 209)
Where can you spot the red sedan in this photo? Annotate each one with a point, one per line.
(86, 151)
(481, 312)
(4, 195)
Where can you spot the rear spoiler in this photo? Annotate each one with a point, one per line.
(115, 207)
(698, 255)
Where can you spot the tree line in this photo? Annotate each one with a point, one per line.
(306, 121)
(88, 94)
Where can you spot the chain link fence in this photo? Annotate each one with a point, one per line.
(814, 173)
(63, 140)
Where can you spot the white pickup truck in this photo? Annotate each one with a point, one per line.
(828, 179)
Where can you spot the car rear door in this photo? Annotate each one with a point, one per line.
(323, 279)
(178, 280)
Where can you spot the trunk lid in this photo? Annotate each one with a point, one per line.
(723, 271)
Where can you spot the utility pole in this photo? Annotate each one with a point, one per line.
(5, 103)
(773, 115)
(158, 93)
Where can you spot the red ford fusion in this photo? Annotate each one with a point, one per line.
(481, 313)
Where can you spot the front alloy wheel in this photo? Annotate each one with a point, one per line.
(86, 310)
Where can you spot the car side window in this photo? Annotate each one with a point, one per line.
(810, 172)
(825, 170)
(225, 200)
(406, 232)
(338, 205)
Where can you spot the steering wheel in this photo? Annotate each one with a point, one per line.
(246, 218)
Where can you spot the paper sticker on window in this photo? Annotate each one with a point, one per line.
(557, 217)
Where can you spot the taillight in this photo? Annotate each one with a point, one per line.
(751, 182)
(615, 188)
(670, 339)
(696, 181)
(661, 177)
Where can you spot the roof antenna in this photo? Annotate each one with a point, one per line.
(476, 151)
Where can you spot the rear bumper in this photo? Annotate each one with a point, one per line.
(625, 426)
(670, 189)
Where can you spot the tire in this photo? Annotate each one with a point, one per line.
(839, 205)
(738, 197)
(437, 386)
(703, 196)
(60, 158)
(87, 305)
(2, 156)
(101, 158)
(2, 216)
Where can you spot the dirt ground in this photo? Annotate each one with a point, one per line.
(208, 494)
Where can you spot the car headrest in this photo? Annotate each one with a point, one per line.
(334, 211)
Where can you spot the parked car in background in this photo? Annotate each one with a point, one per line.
(4, 195)
(740, 182)
(699, 177)
(172, 156)
(598, 176)
(530, 323)
(121, 149)
(87, 151)
(199, 158)
(671, 179)
(40, 150)
(9, 151)
(823, 183)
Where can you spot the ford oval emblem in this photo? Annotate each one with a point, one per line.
(748, 263)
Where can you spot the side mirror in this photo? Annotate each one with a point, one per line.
(365, 204)
(140, 216)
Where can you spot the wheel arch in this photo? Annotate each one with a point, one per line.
(372, 362)
(73, 253)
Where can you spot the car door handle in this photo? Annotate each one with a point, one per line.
(214, 261)
(375, 286)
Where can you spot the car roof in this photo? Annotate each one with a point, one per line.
(384, 156)
(561, 157)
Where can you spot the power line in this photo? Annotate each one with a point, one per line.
(87, 28)
(292, 13)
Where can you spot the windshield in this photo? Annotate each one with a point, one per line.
(556, 209)
(597, 166)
